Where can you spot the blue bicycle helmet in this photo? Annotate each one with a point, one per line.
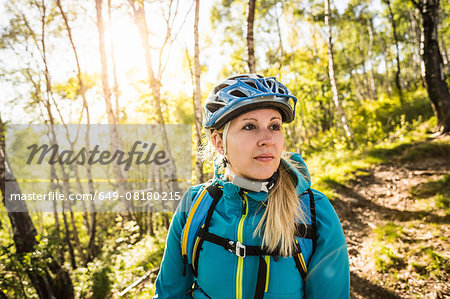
(243, 93)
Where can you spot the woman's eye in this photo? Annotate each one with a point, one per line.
(249, 127)
(275, 127)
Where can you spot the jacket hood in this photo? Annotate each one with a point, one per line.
(293, 160)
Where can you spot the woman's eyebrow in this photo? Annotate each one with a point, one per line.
(254, 119)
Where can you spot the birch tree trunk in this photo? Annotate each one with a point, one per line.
(49, 98)
(397, 50)
(250, 39)
(197, 96)
(155, 85)
(373, 89)
(112, 120)
(113, 60)
(90, 224)
(138, 8)
(334, 89)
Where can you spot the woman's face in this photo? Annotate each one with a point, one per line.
(254, 144)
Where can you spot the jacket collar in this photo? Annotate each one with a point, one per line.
(298, 168)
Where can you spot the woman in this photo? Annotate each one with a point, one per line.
(266, 234)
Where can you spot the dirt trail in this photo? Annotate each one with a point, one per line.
(380, 195)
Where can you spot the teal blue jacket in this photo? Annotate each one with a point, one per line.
(220, 275)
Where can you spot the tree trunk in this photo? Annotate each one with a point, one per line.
(445, 56)
(434, 72)
(415, 36)
(280, 39)
(74, 229)
(90, 225)
(197, 96)
(250, 39)
(113, 59)
(373, 88)
(365, 83)
(387, 79)
(25, 237)
(49, 96)
(138, 8)
(48, 106)
(334, 89)
(112, 120)
(68, 239)
(155, 85)
(88, 121)
(397, 50)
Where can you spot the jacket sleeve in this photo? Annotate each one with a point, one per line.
(170, 282)
(328, 270)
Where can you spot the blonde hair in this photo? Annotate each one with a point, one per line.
(279, 221)
(283, 207)
(207, 152)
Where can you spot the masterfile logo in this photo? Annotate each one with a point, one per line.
(97, 167)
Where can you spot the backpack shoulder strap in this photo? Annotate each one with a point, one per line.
(306, 234)
(312, 208)
(199, 214)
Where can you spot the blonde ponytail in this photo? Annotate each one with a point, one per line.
(278, 223)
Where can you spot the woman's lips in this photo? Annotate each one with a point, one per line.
(264, 158)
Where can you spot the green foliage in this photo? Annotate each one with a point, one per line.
(101, 283)
(124, 259)
(71, 88)
(375, 120)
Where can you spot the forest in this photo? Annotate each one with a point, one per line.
(372, 123)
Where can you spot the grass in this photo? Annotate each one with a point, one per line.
(387, 256)
(333, 170)
(437, 190)
(388, 232)
(412, 247)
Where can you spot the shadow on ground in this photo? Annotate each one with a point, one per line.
(363, 288)
(411, 151)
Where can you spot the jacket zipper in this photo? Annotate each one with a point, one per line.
(240, 238)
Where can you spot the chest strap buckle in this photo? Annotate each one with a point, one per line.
(237, 248)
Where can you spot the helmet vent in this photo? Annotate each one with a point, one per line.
(220, 87)
(251, 84)
(238, 93)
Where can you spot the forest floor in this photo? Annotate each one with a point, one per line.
(395, 216)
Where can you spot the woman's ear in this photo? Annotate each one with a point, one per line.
(216, 141)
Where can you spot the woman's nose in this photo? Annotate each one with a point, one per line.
(265, 138)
